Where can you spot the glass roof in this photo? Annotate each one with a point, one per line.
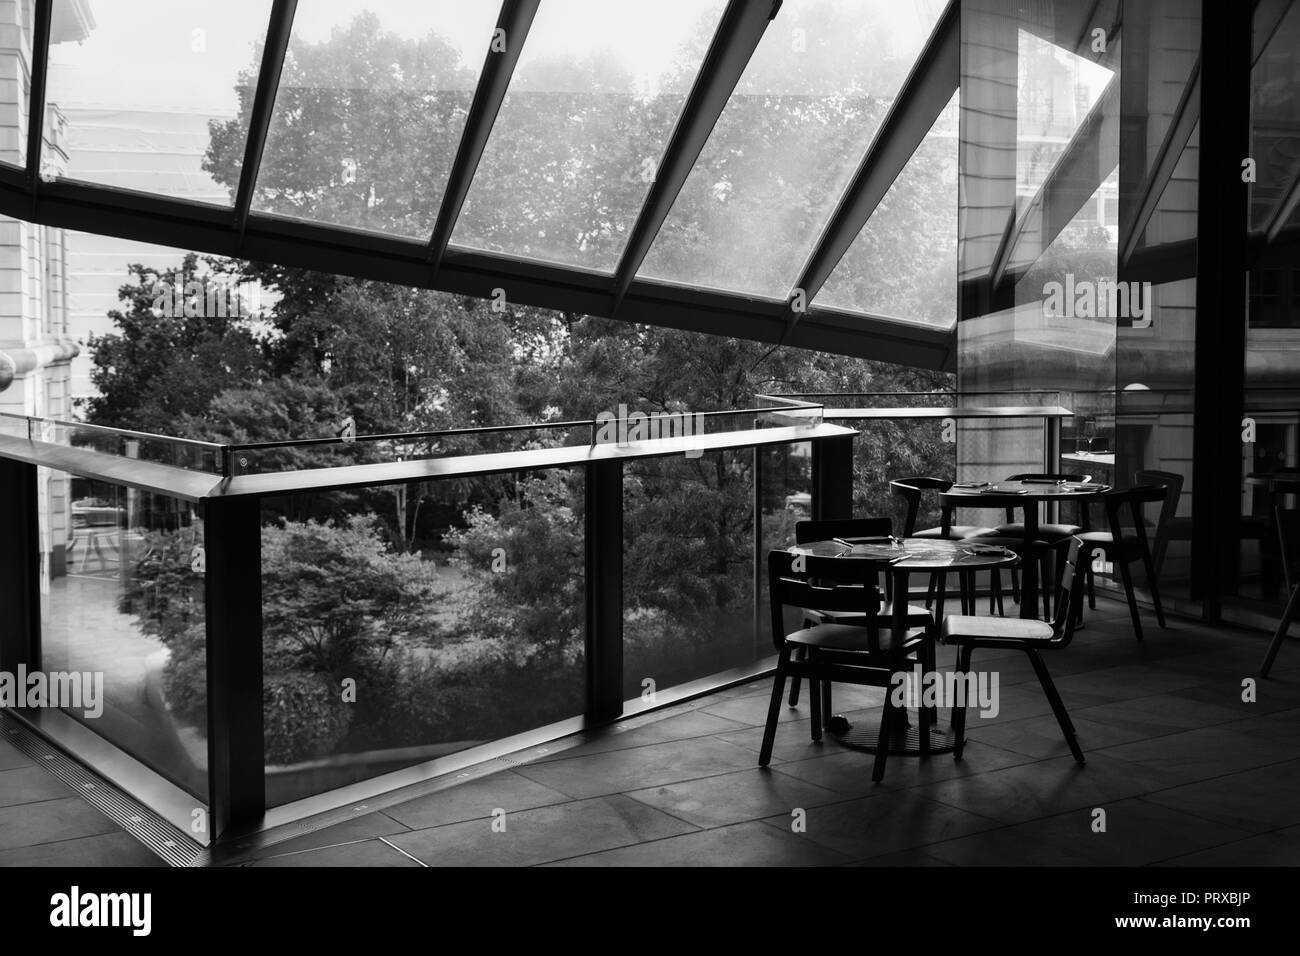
(136, 83)
(908, 281)
(372, 103)
(579, 137)
(382, 139)
(788, 142)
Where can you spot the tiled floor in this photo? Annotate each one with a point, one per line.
(1185, 771)
(43, 822)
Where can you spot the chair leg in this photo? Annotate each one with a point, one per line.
(996, 581)
(1092, 588)
(959, 713)
(1279, 636)
(774, 709)
(815, 705)
(939, 598)
(1045, 587)
(929, 591)
(887, 717)
(1155, 588)
(1015, 585)
(827, 708)
(1127, 577)
(795, 681)
(1058, 706)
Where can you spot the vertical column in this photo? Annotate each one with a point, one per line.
(832, 478)
(20, 594)
(233, 586)
(604, 587)
(1221, 222)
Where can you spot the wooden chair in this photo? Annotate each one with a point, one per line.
(1124, 547)
(824, 530)
(1022, 634)
(867, 653)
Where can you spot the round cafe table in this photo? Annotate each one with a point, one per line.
(907, 556)
(1026, 495)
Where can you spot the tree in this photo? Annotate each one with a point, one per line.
(158, 366)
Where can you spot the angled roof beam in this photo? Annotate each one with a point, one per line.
(1180, 129)
(929, 86)
(259, 121)
(737, 36)
(36, 103)
(1074, 177)
(1283, 211)
(513, 24)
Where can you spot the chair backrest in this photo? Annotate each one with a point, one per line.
(1160, 536)
(1134, 498)
(911, 489)
(1070, 595)
(825, 529)
(1288, 533)
(841, 585)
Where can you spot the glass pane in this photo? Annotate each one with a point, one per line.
(137, 82)
(1275, 101)
(370, 110)
(688, 565)
(917, 280)
(121, 601)
(403, 624)
(787, 143)
(582, 129)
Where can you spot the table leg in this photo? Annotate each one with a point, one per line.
(1029, 565)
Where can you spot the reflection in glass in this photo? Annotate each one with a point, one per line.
(135, 84)
(122, 595)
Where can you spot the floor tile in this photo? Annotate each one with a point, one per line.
(30, 784)
(744, 844)
(66, 818)
(107, 849)
(640, 767)
(367, 853)
(1047, 787)
(735, 797)
(475, 799)
(542, 835)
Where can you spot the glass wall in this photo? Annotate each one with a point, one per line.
(410, 622)
(1077, 244)
(688, 570)
(1270, 447)
(122, 604)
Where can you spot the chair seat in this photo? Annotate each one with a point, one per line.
(841, 637)
(1130, 549)
(955, 533)
(1045, 531)
(916, 614)
(964, 629)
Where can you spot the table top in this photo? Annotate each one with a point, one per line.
(1090, 457)
(1009, 494)
(918, 554)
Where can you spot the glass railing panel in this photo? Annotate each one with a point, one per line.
(688, 570)
(404, 624)
(122, 599)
